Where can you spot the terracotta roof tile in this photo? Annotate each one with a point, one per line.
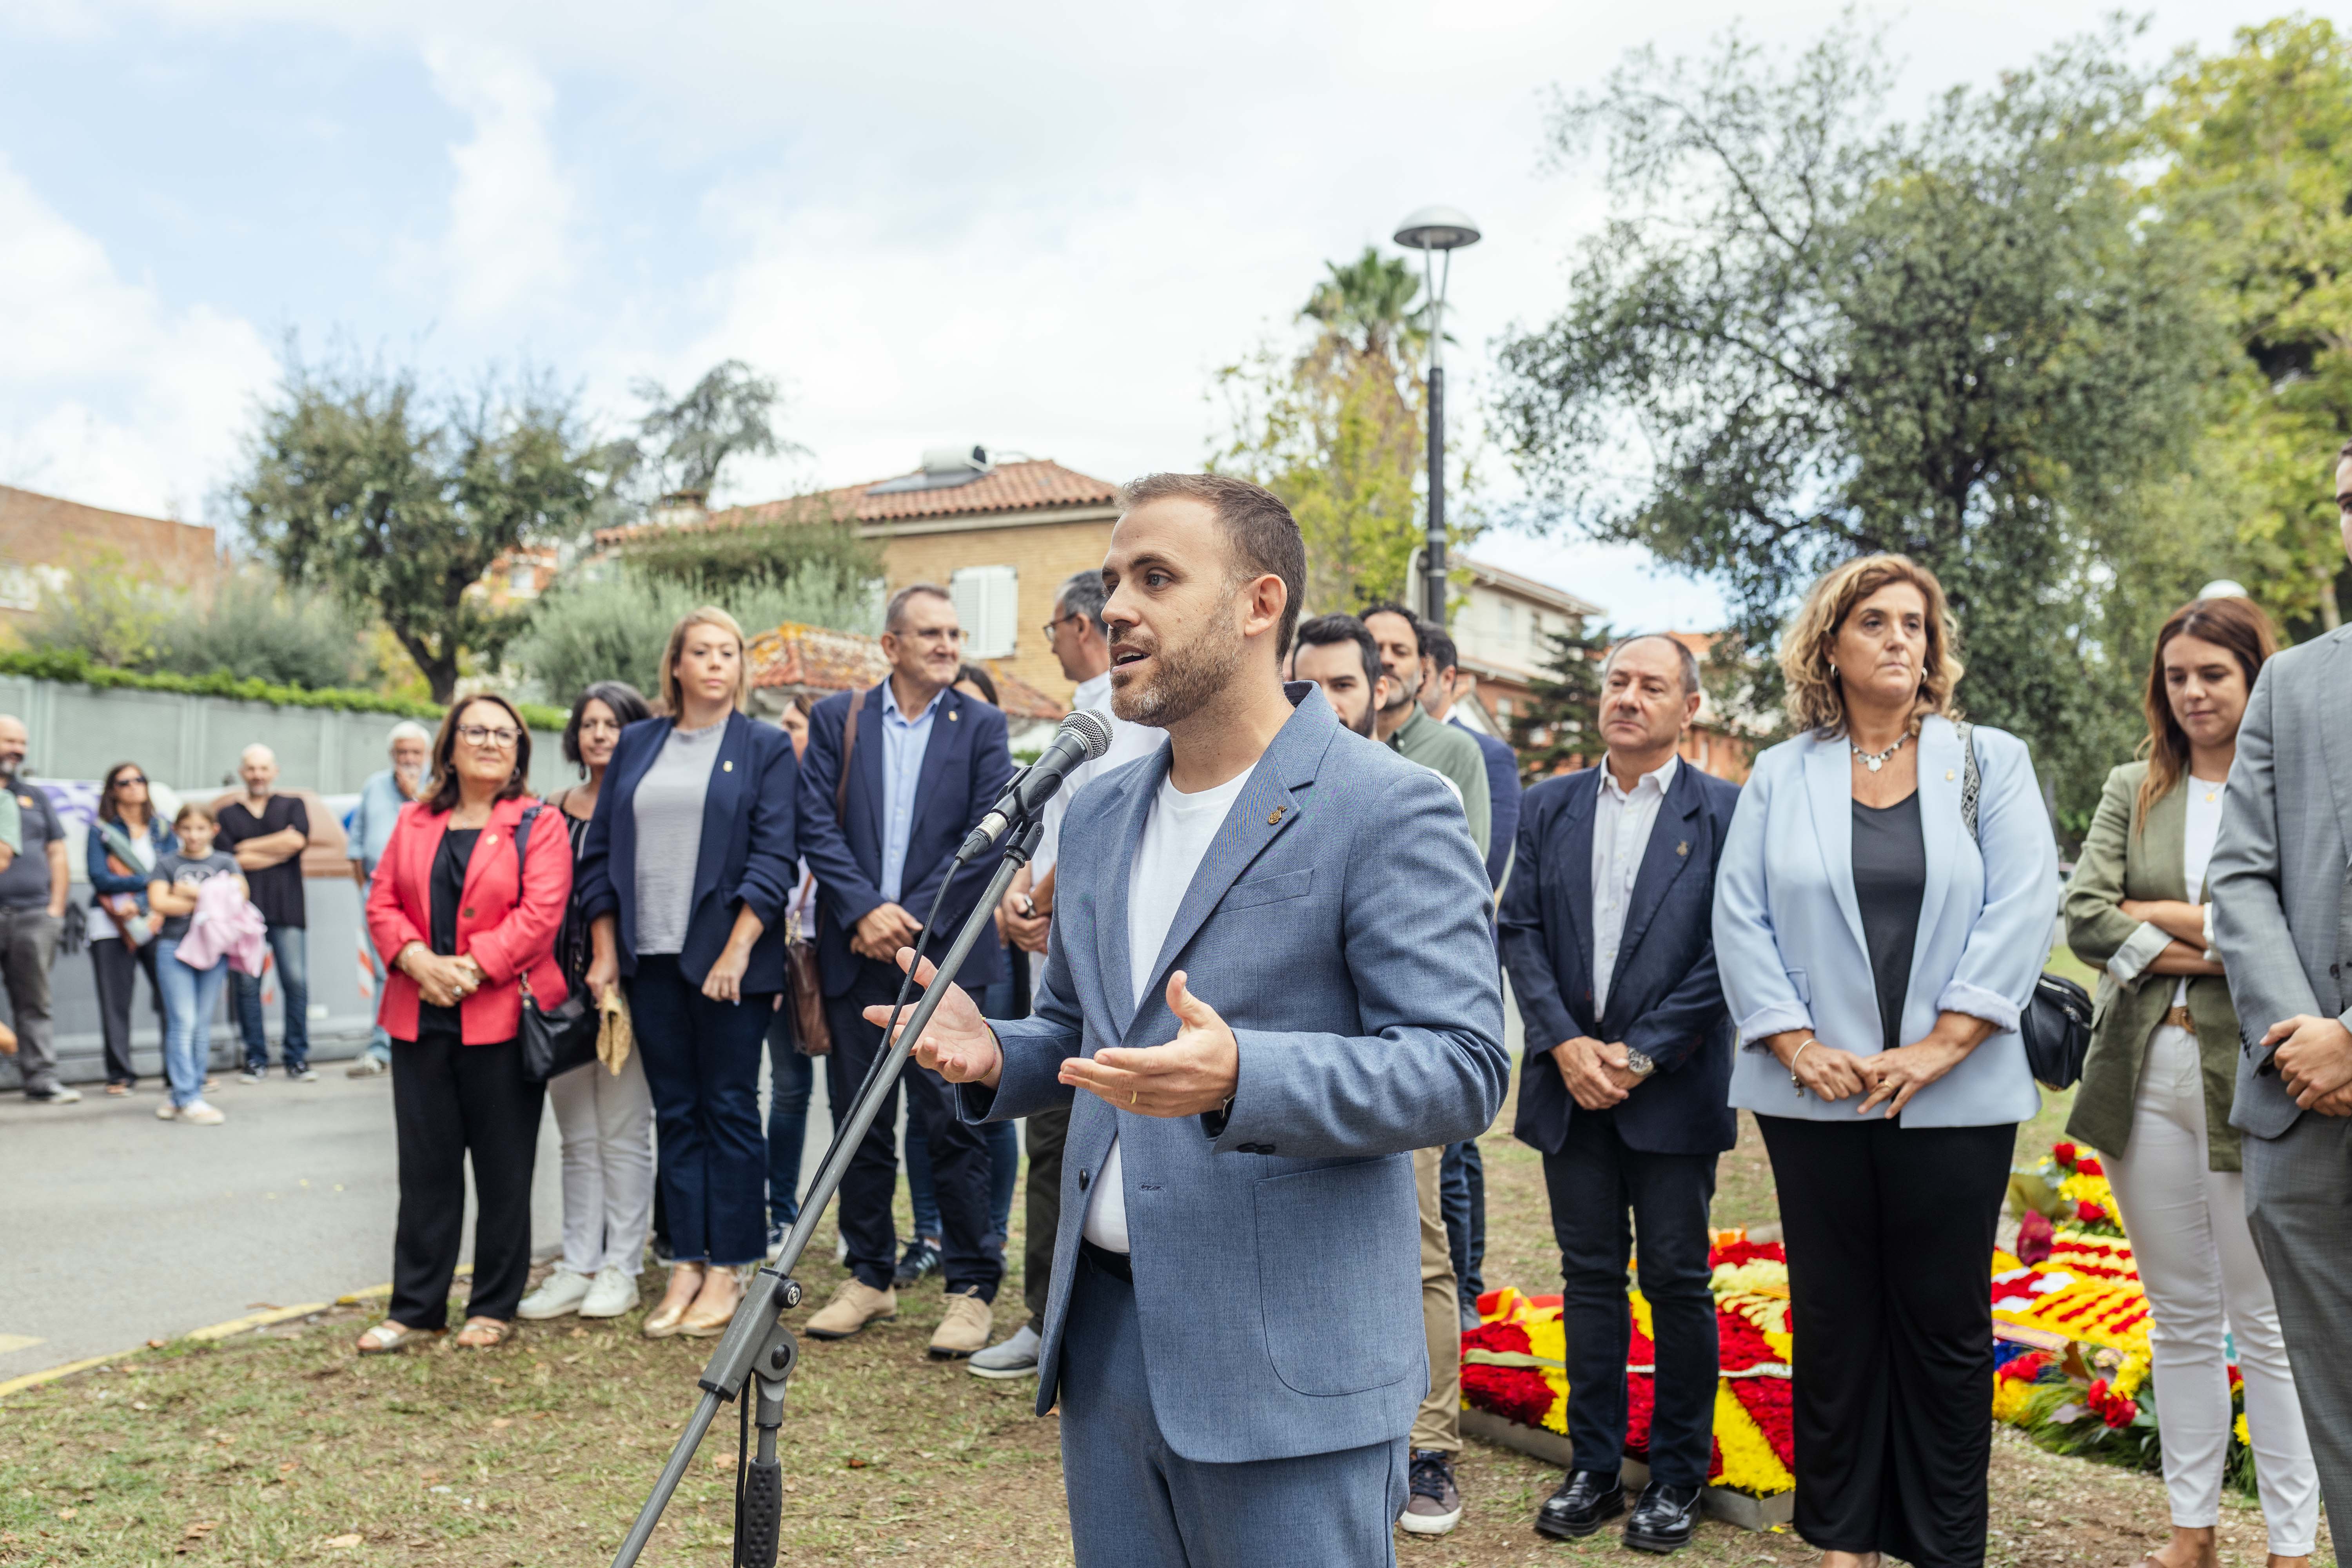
(1029, 485)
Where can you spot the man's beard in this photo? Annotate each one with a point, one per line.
(9, 766)
(1188, 676)
(1405, 695)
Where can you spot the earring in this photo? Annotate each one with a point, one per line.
(1833, 674)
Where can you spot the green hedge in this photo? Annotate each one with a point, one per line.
(76, 668)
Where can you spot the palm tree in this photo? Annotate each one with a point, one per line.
(1365, 305)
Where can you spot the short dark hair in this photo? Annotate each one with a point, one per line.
(1325, 630)
(1688, 663)
(627, 703)
(1084, 594)
(1391, 608)
(980, 678)
(1263, 535)
(895, 611)
(444, 753)
(1439, 646)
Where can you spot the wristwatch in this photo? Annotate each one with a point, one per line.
(1637, 1064)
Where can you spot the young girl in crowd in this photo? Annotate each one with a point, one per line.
(189, 994)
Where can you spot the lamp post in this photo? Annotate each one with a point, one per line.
(1433, 230)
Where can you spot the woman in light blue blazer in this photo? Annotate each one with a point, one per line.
(1877, 955)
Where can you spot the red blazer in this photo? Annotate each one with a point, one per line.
(505, 930)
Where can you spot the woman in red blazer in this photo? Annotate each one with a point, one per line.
(464, 915)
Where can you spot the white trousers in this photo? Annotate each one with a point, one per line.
(607, 1124)
(2197, 1261)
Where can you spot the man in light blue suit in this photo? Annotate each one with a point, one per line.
(1272, 974)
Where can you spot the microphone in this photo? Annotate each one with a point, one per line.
(1084, 736)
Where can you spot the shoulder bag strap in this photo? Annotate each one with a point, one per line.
(1971, 779)
(522, 859)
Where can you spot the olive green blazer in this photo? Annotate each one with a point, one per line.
(2120, 861)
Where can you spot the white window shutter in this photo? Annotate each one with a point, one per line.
(987, 601)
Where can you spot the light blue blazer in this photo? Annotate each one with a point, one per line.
(1788, 928)
(1338, 923)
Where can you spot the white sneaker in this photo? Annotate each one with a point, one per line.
(167, 1111)
(1016, 1357)
(249, 1075)
(201, 1114)
(308, 1075)
(612, 1292)
(558, 1295)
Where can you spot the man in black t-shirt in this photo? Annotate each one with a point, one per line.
(32, 912)
(266, 832)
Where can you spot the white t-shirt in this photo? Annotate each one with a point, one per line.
(1175, 837)
(2204, 825)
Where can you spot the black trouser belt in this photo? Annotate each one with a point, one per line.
(1114, 1264)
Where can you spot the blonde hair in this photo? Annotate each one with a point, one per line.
(673, 700)
(1814, 699)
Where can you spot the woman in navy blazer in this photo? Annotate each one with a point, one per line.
(1877, 957)
(684, 877)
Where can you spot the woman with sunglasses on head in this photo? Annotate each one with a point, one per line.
(125, 841)
(465, 908)
(2158, 1085)
(685, 875)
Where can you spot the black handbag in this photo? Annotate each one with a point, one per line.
(554, 1039)
(2056, 1023)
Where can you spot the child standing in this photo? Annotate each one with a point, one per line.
(189, 994)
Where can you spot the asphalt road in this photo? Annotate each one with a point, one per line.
(117, 1229)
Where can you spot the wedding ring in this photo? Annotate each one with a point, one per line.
(1131, 1096)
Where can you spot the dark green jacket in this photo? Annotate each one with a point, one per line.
(2120, 860)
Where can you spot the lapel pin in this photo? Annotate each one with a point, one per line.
(1947, 775)
(1684, 847)
(1276, 815)
(728, 766)
(953, 715)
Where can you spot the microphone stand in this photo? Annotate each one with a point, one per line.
(757, 1346)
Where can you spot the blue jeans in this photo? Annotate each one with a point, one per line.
(294, 985)
(702, 1063)
(791, 1076)
(1462, 1195)
(1003, 1176)
(189, 997)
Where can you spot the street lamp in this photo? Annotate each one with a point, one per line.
(1430, 231)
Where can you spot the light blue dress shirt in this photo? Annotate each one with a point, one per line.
(374, 818)
(903, 744)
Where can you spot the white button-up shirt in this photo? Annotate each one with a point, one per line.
(1620, 837)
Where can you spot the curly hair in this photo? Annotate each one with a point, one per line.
(1814, 699)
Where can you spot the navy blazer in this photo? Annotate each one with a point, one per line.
(747, 857)
(1664, 997)
(1503, 798)
(966, 766)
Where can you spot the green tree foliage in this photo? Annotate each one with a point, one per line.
(684, 442)
(1821, 335)
(108, 610)
(257, 628)
(2261, 144)
(397, 504)
(823, 557)
(1560, 724)
(1335, 426)
(616, 627)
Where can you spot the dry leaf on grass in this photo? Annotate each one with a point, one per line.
(341, 1543)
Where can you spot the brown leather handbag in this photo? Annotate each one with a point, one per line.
(811, 1033)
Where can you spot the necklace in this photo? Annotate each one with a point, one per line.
(1875, 761)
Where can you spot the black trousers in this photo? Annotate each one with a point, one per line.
(117, 965)
(449, 1101)
(1596, 1183)
(1040, 1211)
(959, 1166)
(1887, 1229)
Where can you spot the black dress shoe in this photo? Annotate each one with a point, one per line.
(1585, 1500)
(1664, 1519)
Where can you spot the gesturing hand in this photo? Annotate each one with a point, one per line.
(1192, 1074)
(957, 1043)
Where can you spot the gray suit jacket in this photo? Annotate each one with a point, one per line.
(2278, 872)
(1338, 924)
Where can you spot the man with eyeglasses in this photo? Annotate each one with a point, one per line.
(267, 831)
(370, 829)
(925, 763)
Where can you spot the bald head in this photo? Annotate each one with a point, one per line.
(258, 766)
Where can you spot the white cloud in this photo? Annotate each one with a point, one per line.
(509, 246)
(107, 394)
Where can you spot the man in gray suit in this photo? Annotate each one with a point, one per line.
(2280, 911)
(1273, 976)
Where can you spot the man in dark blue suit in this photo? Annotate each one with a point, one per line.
(926, 762)
(1606, 931)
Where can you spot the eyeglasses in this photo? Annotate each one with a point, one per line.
(1050, 627)
(501, 739)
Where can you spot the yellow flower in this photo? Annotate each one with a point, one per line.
(2131, 1375)
(2239, 1428)
(2010, 1397)
(1749, 1463)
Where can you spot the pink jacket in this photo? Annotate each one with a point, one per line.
(226, 925)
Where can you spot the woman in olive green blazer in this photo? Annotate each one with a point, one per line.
(2155, 1090)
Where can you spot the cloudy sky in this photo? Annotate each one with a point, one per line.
(1041, 226)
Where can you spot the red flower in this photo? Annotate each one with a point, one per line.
(1767, 1401)
(1514, 1393)
(2027, 1367)
(2035, 1237)
(2237, 1378)
(2119, 1412)
(1746, 1252)
(1641, 1403)
(2063, 1153)
(2088, 1166)
(2089, 1213)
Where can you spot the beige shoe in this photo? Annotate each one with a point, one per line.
(854, 1306)
(965, 1328)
